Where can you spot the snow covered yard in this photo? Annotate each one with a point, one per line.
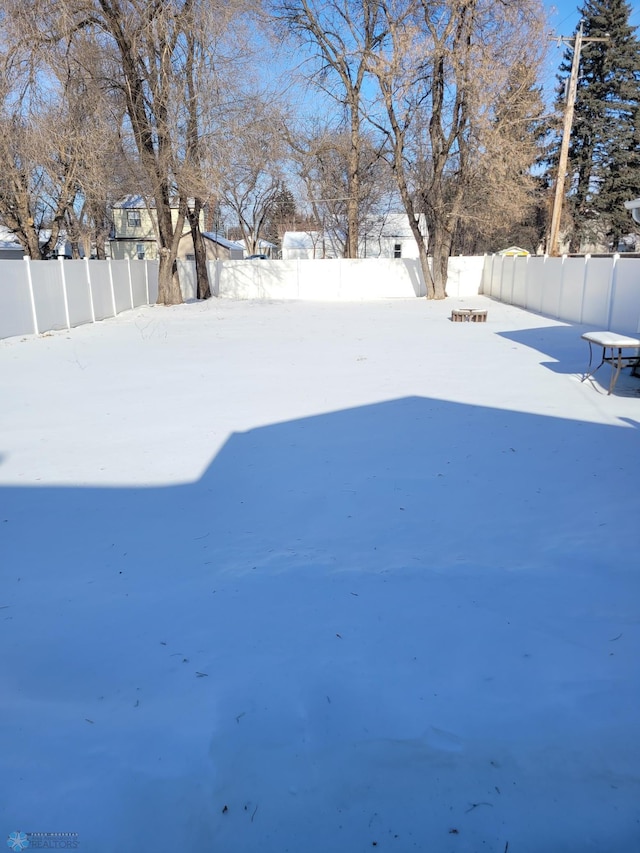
(319, 577)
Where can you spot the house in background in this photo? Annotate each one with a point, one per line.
(389, 236)
(265, 249)
(217, 247)
(134, 229)
(514, 252)
(134, 234)
(10, 248)
(306, 245)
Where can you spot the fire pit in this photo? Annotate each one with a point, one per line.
(468, 315)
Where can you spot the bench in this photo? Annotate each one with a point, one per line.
(615, 344)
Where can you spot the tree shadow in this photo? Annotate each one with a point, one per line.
(347, 617)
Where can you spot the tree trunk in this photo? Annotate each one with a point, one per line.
(353, 185)
(426, 269)
(441, 249)
(202, 276)
(169, 292)
(30, 243)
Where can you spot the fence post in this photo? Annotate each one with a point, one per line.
(501, 274)
(613, 281)
(64, 292)
(113, 295)
(585, 274)
(32, 300)
(88, 272)
(556, 312)
(146, 278)
(130, 282)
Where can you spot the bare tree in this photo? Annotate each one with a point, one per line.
(441, 73)
(321, 156)
(40, 164)
(505, 202)
(253, 176)
(150, 55)
(103, 173)
(341, 34)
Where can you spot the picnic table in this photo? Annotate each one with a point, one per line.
(612, 345)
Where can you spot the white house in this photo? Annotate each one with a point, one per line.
(10, 248)
(389, 236)
(306, 245)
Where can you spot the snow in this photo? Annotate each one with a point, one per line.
(319, 577)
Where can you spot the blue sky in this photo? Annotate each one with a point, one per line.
(563, 20)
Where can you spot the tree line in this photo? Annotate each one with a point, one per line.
(287, 113)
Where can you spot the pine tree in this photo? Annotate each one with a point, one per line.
(604, 155)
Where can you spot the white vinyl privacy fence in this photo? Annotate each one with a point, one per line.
(40, 296)
(332, 279)
(602, 292)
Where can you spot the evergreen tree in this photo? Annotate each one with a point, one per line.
(604, 155)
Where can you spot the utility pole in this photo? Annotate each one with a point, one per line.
(566, 136)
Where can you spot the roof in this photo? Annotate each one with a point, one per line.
(8, 239)
(222, 241)
(515, 250)
(132, 202)
(300, 239)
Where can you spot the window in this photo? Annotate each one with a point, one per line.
(134, 219)
(140, 251)
(397, 250)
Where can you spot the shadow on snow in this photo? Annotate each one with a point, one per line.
(347, 617)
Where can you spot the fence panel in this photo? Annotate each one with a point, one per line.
(465, 276)
(572, 290)
(138, 274)
(16, 312)
(597, 292)
(625, 302)
(506, 286)
(78, 292)
(48, 295)
(551, 286)
(152, 280)
(519, 292)
(487, 273)
(496, 277)
(188, 280)
(101, 290)
(371, 278)
(534, 278)
(121, 286)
